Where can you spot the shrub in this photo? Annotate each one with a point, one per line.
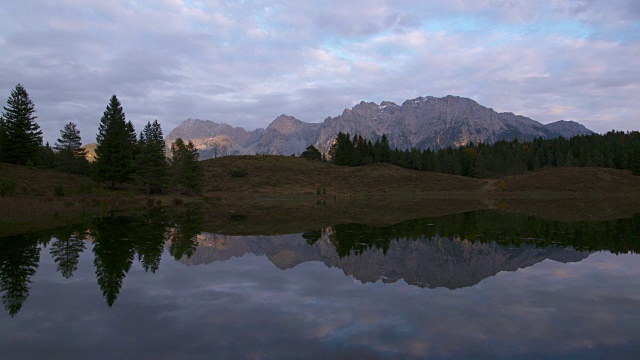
(58, 190)
(7, 188)
(238, 173)
(86, 186)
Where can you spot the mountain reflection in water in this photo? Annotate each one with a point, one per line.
(426, 262)
(126, 256)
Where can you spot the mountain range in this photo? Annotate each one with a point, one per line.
(424, 122)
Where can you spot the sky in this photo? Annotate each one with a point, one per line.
(246, 62)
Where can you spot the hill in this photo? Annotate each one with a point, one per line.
(297, 176)
(280, 194)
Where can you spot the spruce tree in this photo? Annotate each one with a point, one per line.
(311, 153)
(3, 136)
(151, 162)
(635, 159)
(48, 157)
(114, 149)
(70, 156)
(186, 172)
(21, 135)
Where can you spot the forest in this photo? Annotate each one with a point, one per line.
(615, 149)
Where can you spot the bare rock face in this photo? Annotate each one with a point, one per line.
(213, 139)
(568, 129)
(432, 123)
(424, 122)
(286, 135)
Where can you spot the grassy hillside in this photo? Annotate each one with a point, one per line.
(296, 176)
(278, 194)
(30, 181)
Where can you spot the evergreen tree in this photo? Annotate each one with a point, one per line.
(21, 135)
(635, 159)
(385, 149)
(133, 139)
(151, 161)
(115, 148)
(342, 149)
(48, 157)
(187, 173)
(70, 156)
(311, 153)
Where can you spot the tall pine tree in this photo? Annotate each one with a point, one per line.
(151, 162)
(20, 137)
(70, 156)
(187, 174)
(115, 147)
(635, 159)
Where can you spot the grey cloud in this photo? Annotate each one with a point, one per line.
(247, 62)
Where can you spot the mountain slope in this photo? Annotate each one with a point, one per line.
(568, 129)
(214, 139)
(432, 123)
(284, 136)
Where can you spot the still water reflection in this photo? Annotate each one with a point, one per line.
(474, 285)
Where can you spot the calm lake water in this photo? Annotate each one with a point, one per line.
(479, 285)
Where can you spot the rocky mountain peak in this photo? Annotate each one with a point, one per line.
(286, 124)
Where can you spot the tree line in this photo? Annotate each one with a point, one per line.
(121, 155)
(615, 149)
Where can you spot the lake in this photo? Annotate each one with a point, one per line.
(478, 285)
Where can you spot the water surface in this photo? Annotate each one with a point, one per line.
(476, 285)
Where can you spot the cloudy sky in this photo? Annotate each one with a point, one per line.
(246, 62)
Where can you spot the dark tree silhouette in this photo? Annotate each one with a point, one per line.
(20, 135)
(311, 153)
(116, 145)
(70, 156)
(187, 174)
(151, 161)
